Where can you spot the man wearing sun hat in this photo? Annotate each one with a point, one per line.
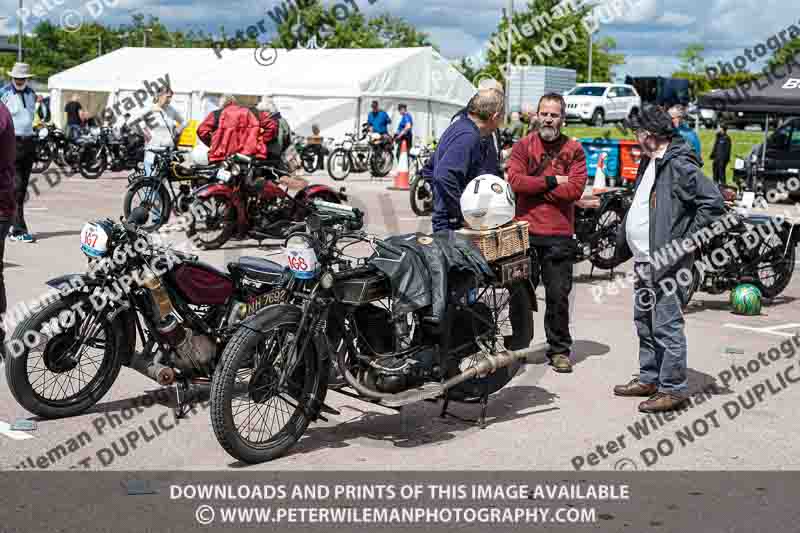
(20, 99)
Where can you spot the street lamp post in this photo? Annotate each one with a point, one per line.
(19, 25)
(591, 35)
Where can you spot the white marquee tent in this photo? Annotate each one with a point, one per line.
(329, 87)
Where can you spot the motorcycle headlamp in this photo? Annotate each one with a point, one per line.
(235, 169)
(43, 133)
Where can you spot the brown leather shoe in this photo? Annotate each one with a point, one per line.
(661, 401)
(636, 388)
(561, 363)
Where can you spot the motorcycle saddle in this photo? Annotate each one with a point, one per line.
(258, 269)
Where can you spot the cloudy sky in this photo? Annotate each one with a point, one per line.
(651, 35)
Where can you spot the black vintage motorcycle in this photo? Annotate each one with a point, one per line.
(180, 309)
(765, 253)
(358, 153)
(596, 224)
(168, 189)
(278, 362)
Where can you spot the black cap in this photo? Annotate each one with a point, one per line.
(652, 119)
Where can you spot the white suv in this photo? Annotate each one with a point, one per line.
(598, 103)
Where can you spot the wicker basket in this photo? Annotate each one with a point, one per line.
(504, 241)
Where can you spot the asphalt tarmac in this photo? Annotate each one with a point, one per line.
(541, 421)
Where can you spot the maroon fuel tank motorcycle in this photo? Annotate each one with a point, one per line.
(251, 198)
(65, 357)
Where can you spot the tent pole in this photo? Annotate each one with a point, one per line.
(358, 115)
(764, 145)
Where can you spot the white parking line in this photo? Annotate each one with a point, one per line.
(769, 331)
(5, 429)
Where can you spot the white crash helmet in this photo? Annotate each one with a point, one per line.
(488, 202)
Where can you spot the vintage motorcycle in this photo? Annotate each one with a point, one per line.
(358, 153)
(279, 361)
(157, 192)
(765, 252)
(250, 198)
(180, 309)
(596, 223)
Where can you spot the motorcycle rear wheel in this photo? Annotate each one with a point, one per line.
(307, 381)
(516, 314)
(782, 267)
(223, 218)
(57, 329)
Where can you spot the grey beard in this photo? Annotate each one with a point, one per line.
(548, 133)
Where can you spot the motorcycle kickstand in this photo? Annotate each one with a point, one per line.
(484, 406)
(443, 414)
(182, 407)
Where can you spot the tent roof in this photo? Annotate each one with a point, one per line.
(390, 72)
(766, 95)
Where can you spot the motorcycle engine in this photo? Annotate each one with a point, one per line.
(379, 334)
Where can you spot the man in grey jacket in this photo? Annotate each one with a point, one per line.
(673, 201)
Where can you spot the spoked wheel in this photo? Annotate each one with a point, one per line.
(775, 270)
(339, 164)
(381, 163)
(153, 197)
(506, 313)
(213, 222)
(68, 362)
(44, 157)
(604, 246)
(421, 197)
(260, 399)
(92, 161)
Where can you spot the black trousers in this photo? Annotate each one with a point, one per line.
(556, 261)
(4, 227)
(398, 145)
(26, 153)
(719, 170)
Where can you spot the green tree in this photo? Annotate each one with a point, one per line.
(355, 31)
(692, 58)
(544, 35)
(789, 51)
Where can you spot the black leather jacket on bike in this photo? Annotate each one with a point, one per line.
(419, 277)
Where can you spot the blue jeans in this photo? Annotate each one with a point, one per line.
(662, 341)
(149, 159)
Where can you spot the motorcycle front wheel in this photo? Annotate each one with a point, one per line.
(50, 370)
(152, 196)
(339, 164)
(242, 400)
(421, 197)
(604, 246)
(92, 162)
(381, 163)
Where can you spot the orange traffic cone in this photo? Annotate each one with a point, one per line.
(401, 176)
(600, 175)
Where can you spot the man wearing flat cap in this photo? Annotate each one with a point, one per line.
(20, 99)
(673, 201)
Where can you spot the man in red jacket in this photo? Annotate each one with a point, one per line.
(234, 128)
(8, 202)
(547, 172)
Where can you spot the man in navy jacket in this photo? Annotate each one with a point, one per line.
(459, 157)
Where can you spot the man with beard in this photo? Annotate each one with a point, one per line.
(20, 100)
(547, 172)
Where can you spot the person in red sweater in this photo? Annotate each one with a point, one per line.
(547, 172)
(234, 128)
